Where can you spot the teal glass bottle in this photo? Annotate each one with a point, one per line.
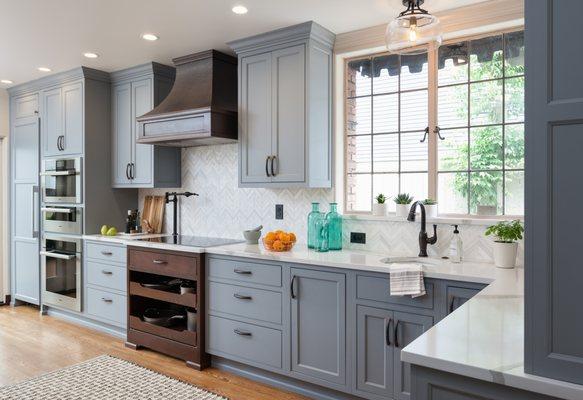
(334, 220)
(322, 244)
(313, 218)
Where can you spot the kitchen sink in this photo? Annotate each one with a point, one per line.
(407, 260)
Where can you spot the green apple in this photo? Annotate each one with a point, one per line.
(104, 230)
(112, 231)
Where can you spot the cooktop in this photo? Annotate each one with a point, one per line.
(192, 241)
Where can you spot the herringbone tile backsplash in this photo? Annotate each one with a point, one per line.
(225, 210)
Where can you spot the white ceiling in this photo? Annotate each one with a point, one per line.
(55, 33)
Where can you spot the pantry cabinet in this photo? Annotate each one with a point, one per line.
(285, 107)
(136, 91)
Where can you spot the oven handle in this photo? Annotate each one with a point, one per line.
(58, 255)
(60, 173)
(58, 210)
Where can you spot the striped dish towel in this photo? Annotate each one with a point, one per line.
(407, 280)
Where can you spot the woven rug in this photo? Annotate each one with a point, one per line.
(104, 378)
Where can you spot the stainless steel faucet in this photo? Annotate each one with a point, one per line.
(172, 197)
(424, 240)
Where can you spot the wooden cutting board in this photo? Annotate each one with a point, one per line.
(153, 214)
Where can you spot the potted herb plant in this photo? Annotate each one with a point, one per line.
(506, 234)
(379, 208)
(430, 208)
(403, 202)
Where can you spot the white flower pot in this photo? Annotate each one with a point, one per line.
(431, 211)
(403, 210)
(379, 210)
(505, 254)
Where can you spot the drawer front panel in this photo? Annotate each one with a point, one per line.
(242, 271)
(257, 304)
(164, 263)
(108, 306)
(107, 276)
(378, 289)
(245, 342)
(106, 253)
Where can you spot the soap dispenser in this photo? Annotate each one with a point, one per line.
(456, 246)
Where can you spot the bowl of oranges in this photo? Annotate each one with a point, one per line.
(279, 240)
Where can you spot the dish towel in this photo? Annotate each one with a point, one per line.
(407, 280)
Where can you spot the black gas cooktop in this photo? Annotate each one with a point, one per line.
(192, 241)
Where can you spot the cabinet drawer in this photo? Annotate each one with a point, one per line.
(244, 342)
(243, 271)
(107, 306)
(107, 276)
(106, 252)
(163, 263)
(257, 304)
(378, 289)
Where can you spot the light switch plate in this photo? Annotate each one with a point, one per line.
(279, 211)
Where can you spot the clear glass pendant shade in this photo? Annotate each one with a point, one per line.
(407, 31)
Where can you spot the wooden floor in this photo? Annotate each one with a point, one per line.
(31, 344)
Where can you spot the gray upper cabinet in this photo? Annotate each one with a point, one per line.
(136, 91)
(318, 324)
(25, 201)
(62, 120)
(285, 107)
(553, 140)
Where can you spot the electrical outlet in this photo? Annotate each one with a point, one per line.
(279, 211)
(358, 237)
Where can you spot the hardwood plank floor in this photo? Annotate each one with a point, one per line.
(31, 344)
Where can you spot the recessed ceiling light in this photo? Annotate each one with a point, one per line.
(149, 36)
(240, 10)
(6, 81)
(44, 69)
(90, 55)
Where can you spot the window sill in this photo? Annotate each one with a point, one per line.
(451, 220)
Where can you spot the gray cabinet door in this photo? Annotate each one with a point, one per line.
(121, 105)
(73, 129)
(52, 121)
(255, 115)
(288, 118)
(318, 324)
(143, 154)
(408, 327)
(25, 263)
(374, 351)
(457, 296)
(554, 139)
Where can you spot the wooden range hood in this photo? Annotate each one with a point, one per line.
(201, 108)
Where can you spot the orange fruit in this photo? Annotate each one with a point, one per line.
(284, 237)
(278, 245)
(270, 237)
(292, 237)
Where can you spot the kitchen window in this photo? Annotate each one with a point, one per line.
(446, 124)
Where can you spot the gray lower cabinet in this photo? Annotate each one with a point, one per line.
(136, 91)
(285, 98)
(318, 326)
(25, 201)
(457, 294)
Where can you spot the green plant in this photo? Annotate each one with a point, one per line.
(381, 198)
(429, 202)
(403, 198)
(506, 231)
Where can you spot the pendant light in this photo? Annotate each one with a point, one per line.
(413, 27)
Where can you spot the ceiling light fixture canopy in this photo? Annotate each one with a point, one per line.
(413, 27)
(150, 37)
(240, 9)
(44, 69)
(6, 81)
(90, 55)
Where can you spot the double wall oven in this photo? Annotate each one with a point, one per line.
(62, 218)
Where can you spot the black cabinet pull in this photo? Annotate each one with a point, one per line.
(451, 304)
(128, 171)
(273, 158)
(291, 287)
(106, 300)
(106, 253)
(242, 297)
(106, 272)
(242, 333)
(132, 174)
(388, 332)
(397, 334)
(242, 271)
(267, 166)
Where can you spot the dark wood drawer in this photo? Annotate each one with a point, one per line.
(162, 262)
(378, 289)
(187, 299)
(182, 336)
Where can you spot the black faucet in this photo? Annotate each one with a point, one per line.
(423, 239)
(173, 197)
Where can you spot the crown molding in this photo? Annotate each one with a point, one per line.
(476, 18)
(59, 79)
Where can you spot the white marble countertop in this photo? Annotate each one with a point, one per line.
(483, 339)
